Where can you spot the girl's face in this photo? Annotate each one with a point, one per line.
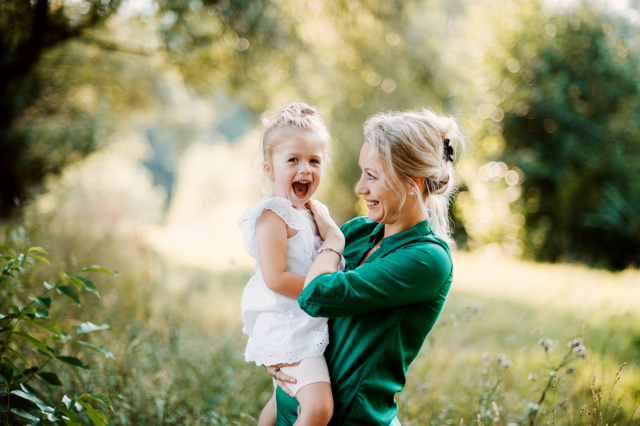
(382, 201)
(297, 165)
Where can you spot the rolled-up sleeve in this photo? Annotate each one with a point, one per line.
(409, 275)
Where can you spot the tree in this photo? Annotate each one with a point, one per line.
(572, 125)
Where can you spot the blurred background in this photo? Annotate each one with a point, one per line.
(129, 135)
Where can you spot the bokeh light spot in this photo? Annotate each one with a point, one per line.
(513, 65)
(374, 79)
(388, 85)
(356, 101)
(393, 39)
(550, 125)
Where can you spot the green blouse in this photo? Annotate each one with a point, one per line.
(380, 314)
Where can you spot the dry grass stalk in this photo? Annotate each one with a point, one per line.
(553, 421)
(632, 414)
(611, 393)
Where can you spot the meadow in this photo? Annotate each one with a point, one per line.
(181, 361)
(175, 311)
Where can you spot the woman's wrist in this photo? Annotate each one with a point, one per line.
(335, 241)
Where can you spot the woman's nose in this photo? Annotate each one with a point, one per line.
(360, 187)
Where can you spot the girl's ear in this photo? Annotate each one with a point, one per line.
(268, 170)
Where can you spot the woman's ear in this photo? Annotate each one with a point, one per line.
(268, 170)
(420, 182)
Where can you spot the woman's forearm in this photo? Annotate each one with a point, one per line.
(328, 261)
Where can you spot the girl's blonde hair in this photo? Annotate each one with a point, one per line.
(295, 116)
(410, 144)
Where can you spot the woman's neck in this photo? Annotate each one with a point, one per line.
(409, 216)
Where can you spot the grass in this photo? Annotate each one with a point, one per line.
(183, 363)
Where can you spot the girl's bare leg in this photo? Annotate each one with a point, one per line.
(269, 412)
(316, 405)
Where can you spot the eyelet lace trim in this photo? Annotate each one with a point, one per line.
(280, 206)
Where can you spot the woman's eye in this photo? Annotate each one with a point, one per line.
(371, 177)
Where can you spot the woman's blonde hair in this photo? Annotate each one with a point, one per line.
(295, 116)
(410, 144)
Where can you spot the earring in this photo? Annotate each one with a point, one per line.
(411, 193)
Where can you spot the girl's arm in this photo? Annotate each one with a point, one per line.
(271, 236)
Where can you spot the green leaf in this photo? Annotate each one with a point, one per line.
(72, 418)
(49, 378)
(42, 313)
(21, 259)
(10, 316)
(96, 268)
(73, 361)
(23, 413)
(37, 250)
(48, 286)
(44, 301)
(102, 349)
(28, 310)
(43, 325)
(35, 342)
(98, 397)
(69, 291)
(40, 258)
(88, 285)
(88, 327)
(10, 363)
(73, 280)
(68, 402)
(16, 353)
(96, 416)
(8, 251)
(41, 405)
(115, 395)
(16, 309)
(6, 370)
(6, 270)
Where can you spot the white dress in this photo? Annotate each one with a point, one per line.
(279, 331)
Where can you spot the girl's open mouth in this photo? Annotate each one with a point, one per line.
(301, 189)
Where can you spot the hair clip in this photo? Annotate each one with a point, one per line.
(448, 151)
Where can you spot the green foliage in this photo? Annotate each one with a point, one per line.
(572, 124)
(31, 347)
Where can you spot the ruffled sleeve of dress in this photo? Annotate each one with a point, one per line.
(280, 206)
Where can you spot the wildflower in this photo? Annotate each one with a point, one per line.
(508, 363)
(575, 342)
(570, 370)
(532, 377)
(581, 350)
(501, 358)
(485, 356)
(546, 344)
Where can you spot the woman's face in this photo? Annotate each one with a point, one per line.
(382, 200)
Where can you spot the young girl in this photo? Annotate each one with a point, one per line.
(281, 235)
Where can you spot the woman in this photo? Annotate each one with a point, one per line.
(398, 268)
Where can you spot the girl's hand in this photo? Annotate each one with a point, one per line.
(282, 378)
(329, 231)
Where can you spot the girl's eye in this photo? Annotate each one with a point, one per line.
(293, 160)
(315, 161)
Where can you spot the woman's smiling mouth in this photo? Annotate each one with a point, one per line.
(371, 204)
(301, 188)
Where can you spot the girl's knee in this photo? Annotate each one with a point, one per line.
(319, 412)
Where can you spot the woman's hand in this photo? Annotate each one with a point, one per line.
(282, 378)
(329, 231)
